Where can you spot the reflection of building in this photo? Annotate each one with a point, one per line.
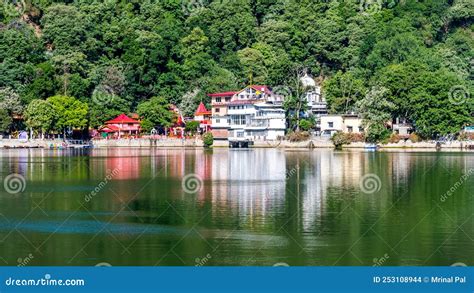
(349, 123)
(249, 183)
(253, 113)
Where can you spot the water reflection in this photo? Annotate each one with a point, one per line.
(256, 207)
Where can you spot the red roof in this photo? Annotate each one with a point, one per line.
(262, 88)
(201, 110)
(109, 129)
(123, 119)
(224, 94)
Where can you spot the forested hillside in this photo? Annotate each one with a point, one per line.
(402, 58)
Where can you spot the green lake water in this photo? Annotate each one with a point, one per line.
(145, 207)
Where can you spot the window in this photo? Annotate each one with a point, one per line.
(330, 124)
(227, 99)
(218, 110)
(350, 129)
(218, 121)
(218, 100)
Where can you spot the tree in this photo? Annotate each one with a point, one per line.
(11, 105)
(342, 91)
(376, 110)
(295, 98)
(253, 64)
(5, 120)
(72, 113)
(157, 112)
(195, 51)
(40, 116)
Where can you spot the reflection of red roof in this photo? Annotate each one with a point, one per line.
(224, 94)
(201, 110)
(122, 119)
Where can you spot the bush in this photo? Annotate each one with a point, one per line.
(377, 133)
(465, 136)
(394, 138)
(414, 138)
(208, 139)
(298, 136)
(356, 137)
(192, 126)
(306, 125)
(340, 138)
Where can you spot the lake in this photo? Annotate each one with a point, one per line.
(257, 207)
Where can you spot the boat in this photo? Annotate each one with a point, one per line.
(371, 147)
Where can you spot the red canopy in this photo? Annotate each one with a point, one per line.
(123, 119)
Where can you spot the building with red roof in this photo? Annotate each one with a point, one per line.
(234, 112)
(203, 115)
(120, 126)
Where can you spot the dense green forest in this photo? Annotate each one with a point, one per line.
(79, 63)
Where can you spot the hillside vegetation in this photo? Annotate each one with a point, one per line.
(406, 58)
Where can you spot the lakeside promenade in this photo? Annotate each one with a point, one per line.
(197, 143)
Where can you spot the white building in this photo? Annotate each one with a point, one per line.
(317, 104)
(254, 113)
(349, 123)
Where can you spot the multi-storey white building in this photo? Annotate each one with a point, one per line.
(317, 105)
(255, 113)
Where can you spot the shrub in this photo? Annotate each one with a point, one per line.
(357, 137)
(192, 126)
(298, 136)
(340, 138)
(208, 139)
(306, 125)
(377, 133)
(394, 138)
(464, 136)
(414, 138)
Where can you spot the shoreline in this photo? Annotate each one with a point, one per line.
(197, 143)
